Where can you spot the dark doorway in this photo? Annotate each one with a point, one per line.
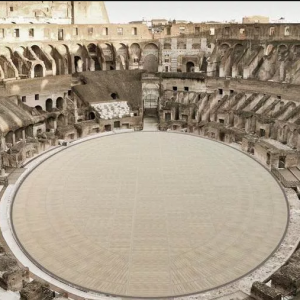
(262, 132)
(39, 108)
(76, 59)
(97, 64)
(177, 112)
(268, 158)
(190, 67)
(49, 105)
(281, 162)
(61, 120)
(222, 136)
(107, 127)
(60, 103)
(114, 95)
(38, 71)
(92, 115)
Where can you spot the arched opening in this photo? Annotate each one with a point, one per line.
(190, 67)
(49, 105)
(97, 64)
(223, 49)
(19, 134)
(38, 70)
(9, 138)
(36, 49)
(29, 131)
(92, 115)
(50, 124)
(60, 103)
(39, 108)
(92, 48)
(135, 50)
(76, 59)
(114, 95)
(60, 120)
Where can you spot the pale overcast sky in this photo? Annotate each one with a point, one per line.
(198, 11)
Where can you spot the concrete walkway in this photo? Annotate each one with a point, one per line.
(150, 123)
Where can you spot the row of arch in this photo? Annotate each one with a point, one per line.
(59, 104)
(15, 136)
(40, 61)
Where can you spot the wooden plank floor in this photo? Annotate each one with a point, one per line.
(150, 214)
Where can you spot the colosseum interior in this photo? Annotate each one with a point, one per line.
(141, 162)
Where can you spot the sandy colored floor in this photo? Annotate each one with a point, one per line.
(150, 214)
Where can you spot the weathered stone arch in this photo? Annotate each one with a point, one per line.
(282, 48)
(92, 48)
(60, 103)
(50, 123)
(38, 71)
(61, 120)
(151, 46)
(49, 105)
(190, 67)
(122, 56)
(6, 51)
(107, 56)
(135, 51)
(93, 52)
(39, 108)
(223, 49)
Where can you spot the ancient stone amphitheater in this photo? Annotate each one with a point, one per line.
(141, 162)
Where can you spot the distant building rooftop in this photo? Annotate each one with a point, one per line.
(256, 19)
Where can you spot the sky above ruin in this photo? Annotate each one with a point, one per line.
(200, 11)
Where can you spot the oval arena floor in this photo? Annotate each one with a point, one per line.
(149, 214)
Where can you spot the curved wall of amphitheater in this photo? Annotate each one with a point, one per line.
(235, 84)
